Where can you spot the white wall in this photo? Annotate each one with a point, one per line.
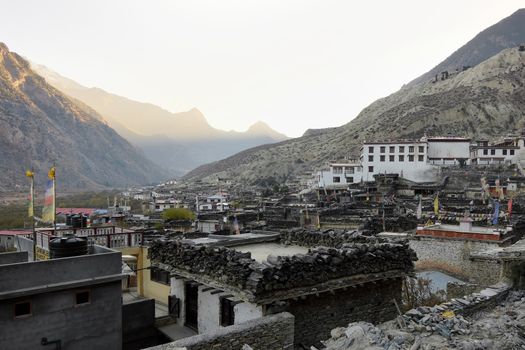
(417, 169)
(247, 311)
(209, 310)
(448, 149)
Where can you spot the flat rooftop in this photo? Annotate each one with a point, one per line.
(235, 240)
(456, 228)
(260, 251)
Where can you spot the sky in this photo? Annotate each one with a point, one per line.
(294, 64)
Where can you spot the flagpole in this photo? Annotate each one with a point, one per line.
(55, 200)
(33, 210)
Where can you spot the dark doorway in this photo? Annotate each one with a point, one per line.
(192, 305)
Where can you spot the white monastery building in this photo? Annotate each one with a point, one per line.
(419, 160)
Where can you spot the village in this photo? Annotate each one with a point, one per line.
(398, 248)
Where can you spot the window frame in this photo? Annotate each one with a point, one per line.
(156, 273)
(230, 305)
(80, 291)
(30, 302)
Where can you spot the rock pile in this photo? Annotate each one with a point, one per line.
(319, 265)
(440, 328)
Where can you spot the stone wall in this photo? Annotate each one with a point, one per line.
(316, 316)
(454, 256)
(275, 332)
(319, 265)
(326, 238)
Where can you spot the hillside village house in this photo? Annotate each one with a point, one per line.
(220, 281)
(505, 151)
(418, 160)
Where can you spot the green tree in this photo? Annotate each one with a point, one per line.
(178, 214)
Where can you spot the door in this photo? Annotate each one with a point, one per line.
(192, 305)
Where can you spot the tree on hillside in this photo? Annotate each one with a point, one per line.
(177, 214)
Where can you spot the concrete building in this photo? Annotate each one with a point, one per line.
(220, 282)
(340, 175)
(505, 151)
(414, 160)
(70, 303)
(408, 159)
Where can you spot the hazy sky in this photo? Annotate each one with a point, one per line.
(293, 64)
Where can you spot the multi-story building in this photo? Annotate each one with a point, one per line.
(409, 159)
(70, 303)
(340, 175)
(506, 151)
(418, 160)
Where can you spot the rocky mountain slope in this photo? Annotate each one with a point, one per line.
(178, 141)
(39, 125)
(507, 33)
(486, 100)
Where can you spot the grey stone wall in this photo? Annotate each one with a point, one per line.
(315, 316)
(275, 332)
(454, 256)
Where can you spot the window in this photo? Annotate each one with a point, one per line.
(401, 149)
(391, 149)
(504, 152)
(410, 157)
(421, 149)
(485, 152)
(401, 158)
(410, 149)
(349, 180)
(370, 158)
(159, 275)
(492, 152)
(382, 149)
(338, 170)
(336, 179)
(511, 152)
(350, 170)
(227, 312)
(382, 158)
(391, 158)
(371, 169)
(22, 309)
(421, 158)
(82, 297)
(371, 149)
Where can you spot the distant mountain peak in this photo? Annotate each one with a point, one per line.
(260, 128)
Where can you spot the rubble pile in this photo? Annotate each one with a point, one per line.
(432, 328)
(326, 238)
(319, 265)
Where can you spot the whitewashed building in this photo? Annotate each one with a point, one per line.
(506, 151)
(409, 159)
(340, 175)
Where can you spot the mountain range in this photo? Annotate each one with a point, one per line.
(485, 100)
(177, 141)
(40, 126)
